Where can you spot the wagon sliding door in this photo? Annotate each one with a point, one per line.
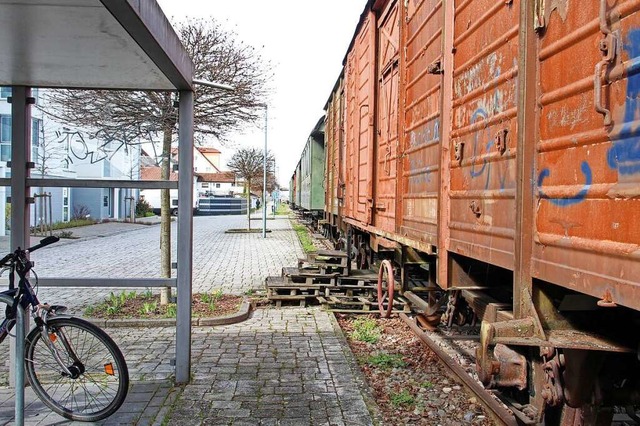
(483, 131)
(387, 116)
(587, 235)
(360, 87)
(422, 101)
(333, 142)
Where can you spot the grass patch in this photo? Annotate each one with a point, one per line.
(401, 398)
(304, 237)
(73, 223)
(365, 330)
(283, 209)
(386, 361)
(147, 305)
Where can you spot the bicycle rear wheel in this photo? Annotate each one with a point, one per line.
(99, 379)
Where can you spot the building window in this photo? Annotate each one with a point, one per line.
(205, 184)
(65, 204)
(105, 201)
(36, 138)
(5, 138)
(217, 185)
(5, 92)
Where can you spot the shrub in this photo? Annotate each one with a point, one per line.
(80, 211)
(172, 310)
(143, 208)
(149, 307)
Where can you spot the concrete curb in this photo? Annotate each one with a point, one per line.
(242, 314)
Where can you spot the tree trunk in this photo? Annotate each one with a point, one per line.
(165, 217)
(247, 187)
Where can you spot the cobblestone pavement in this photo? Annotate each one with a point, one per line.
(235, 263)
(286, 366)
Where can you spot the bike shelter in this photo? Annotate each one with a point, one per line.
(96, 44)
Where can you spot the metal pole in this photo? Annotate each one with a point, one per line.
(185, 237)
(21, 325)
(264, 177)
(18, 358)
(20, 212)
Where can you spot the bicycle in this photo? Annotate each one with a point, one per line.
(73, 366)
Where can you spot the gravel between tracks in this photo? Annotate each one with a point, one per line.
(415, 389)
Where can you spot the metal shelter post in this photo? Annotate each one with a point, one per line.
(20, 138)
(185, 236)
(19, 365)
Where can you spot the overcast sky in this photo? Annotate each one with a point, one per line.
(306, 41)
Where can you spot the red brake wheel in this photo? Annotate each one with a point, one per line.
(385, 295)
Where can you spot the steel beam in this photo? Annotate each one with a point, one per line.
(446, 146)
(185, 237)
(526, 149)
(107, 282)
(99, 183)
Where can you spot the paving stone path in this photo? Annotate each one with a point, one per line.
(287, 366)
(234, 263)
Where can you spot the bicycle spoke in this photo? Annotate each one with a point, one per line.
(89, 393)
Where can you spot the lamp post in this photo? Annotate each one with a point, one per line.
(264, 176)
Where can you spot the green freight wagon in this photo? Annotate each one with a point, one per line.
(311, 169)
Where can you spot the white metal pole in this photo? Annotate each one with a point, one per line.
(264, 177)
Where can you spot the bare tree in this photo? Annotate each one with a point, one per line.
(217, 56)
(247, 163)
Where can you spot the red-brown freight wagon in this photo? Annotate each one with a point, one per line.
(497, 144)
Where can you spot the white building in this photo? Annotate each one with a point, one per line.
(61, 151)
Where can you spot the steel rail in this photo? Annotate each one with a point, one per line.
(500, 413)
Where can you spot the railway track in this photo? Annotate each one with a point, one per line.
(499, 413)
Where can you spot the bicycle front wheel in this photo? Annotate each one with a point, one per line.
(95, 380)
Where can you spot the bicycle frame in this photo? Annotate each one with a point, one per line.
(25, 297)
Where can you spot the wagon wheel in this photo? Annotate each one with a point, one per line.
(385, 296)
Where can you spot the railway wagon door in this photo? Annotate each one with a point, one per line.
(483, 130)
(360, 89)
(588, 152)
(332, 146)
(385, 180)
(422, 108)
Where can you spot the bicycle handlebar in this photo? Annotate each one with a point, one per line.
(5, 259)
(43, 242)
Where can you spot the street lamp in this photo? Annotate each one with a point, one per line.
(264, 176)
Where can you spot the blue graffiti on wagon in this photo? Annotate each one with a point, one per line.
(482, 138)
(625, 153)
(568, 200)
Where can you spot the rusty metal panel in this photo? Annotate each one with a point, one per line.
(360, 89)
(422, 86)
(587, 171)
(333, 141)
(385, 182)
(483, 131)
